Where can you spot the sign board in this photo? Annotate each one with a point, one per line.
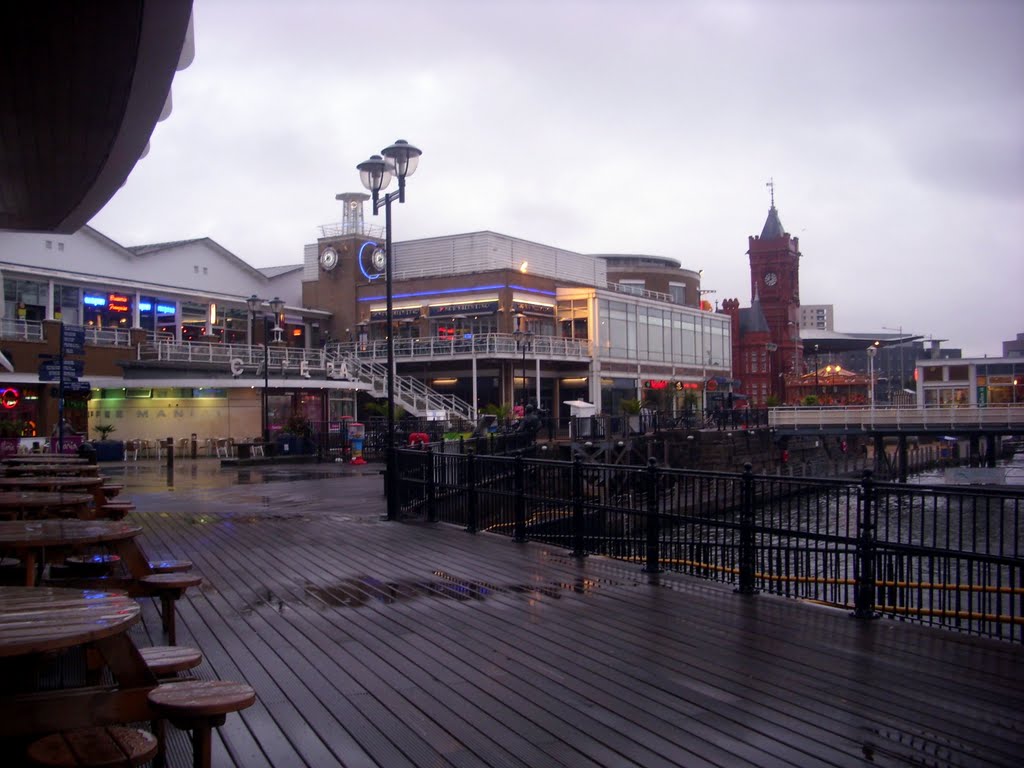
(77, 386)
(73, 341)
(52, 371)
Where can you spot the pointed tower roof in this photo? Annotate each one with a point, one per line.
(752, 320)
(772, 226)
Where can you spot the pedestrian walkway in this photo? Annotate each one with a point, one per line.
(372, 643)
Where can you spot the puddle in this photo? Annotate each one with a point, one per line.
(356, 592)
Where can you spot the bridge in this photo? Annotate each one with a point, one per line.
(966, 420)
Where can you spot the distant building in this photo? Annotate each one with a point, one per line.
(818, 316)
(766, 336)
(1014, 348)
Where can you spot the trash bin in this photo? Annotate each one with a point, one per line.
(581, 411)
(244, 450)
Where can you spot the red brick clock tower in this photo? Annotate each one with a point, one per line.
(775, 279)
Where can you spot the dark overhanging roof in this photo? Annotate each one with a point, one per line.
(834, 341)
(82, 85)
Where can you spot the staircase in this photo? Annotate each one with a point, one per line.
(412, 394)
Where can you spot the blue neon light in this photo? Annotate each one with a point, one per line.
(362, 268)
(435, 293)
(95, 301)
(532, 290)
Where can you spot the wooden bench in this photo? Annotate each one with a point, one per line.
(199, 706)
(101, 746)
(169, 587)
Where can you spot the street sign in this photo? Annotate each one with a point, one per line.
(73, 341)
(77, 386)
(52, 370)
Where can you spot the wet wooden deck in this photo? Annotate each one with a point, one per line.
(394, 644)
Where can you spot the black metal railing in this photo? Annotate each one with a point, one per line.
(935, 554)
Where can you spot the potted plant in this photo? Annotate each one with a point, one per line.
(631, 408)
(296, 434)
(107, 449)
(10, 436)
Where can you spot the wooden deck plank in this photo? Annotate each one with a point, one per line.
(374, 643)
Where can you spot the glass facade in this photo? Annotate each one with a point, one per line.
(663, 335)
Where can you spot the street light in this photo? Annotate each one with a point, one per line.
(871, 352)
(524, 340)
(817, 392)
(276, 305)
(400, 159)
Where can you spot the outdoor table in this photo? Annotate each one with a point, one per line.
(31, 468)
(46, 458)
(26, 539)
(93, 485)
(40, 619)
(19, 504)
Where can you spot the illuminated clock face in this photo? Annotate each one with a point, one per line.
(328, 259)
(379, 259)
(770, 278)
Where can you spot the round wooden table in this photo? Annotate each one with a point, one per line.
(39, 619)
(31, 468)
(46, 458)
(28, 503)
(27, 537)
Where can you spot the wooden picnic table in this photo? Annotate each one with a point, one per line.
(40, 619)
(27, 539)
(31, 468)
(93, 485)
(46, 458)
(20, 504)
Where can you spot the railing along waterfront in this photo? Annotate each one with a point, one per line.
(864, 417)
(939, 555)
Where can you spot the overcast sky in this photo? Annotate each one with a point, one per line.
(893, 130)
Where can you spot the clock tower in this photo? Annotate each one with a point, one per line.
(775, 280)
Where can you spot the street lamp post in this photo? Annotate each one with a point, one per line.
(817, 391)
(400, 159)
(524, 340)
(276, 305)
(871, 352)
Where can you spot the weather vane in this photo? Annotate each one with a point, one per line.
(771, 189)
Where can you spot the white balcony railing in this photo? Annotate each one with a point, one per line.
(901, 418)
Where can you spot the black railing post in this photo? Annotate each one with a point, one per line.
(431, 489)
(519, 498)
(748, 557)
(471, 500)
(864, 558)
(576, 481)
(653, 564)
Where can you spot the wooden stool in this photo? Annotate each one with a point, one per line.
(200, 706)
(168, 660)
(169, 587)
(169, 566)
(115, 510)
(111, 745)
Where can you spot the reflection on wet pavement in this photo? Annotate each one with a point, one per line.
(356, 592)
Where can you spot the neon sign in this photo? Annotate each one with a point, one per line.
(117, 303)
(10, 397)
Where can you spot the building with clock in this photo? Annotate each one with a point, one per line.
(766, 341)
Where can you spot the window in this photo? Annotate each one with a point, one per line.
(678, 292)
(634, 287)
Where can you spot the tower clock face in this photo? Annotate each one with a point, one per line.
(770, 278)
(379, 259)
(328, 259)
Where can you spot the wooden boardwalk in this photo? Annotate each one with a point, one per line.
(400, 644)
